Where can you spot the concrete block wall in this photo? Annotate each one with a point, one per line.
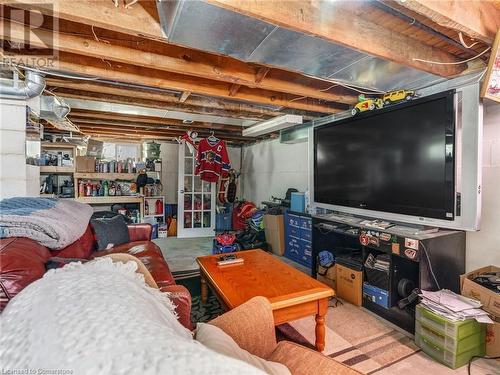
(483, 247)
(16, 178)
(269, 168)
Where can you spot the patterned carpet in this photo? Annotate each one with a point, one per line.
(357, 339)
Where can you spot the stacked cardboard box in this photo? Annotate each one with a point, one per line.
(274, 227)
(491, 304)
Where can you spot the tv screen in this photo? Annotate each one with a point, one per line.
(398, 159)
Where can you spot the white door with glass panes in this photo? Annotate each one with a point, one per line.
(196, 203)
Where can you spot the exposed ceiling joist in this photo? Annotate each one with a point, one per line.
(77, 64)
(94, 105)
(477, 19)
(225, 70)
(141, 20)
(220, 106)
(100, 129)
(78, 115)
(70, 94)
(335, 22)
(127, 124)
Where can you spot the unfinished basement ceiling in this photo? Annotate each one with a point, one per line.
(94, 105)
(207, 27)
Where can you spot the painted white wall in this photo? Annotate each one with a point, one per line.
(483, 247)
(170, 168)
(16, 178)
(270, 168)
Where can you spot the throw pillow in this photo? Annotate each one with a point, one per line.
(219, 341)
(110, 232)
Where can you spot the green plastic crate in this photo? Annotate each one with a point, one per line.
(446, 357)
(449, 343)
(455, 330)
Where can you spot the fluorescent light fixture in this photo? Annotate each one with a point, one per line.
(272, 125)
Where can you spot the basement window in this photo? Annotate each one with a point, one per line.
(121, 151)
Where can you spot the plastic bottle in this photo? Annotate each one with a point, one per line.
(105, 188)
(159, 207)
(81, 188)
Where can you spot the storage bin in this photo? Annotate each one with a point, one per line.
(450, 343)
(446, 357)
(457, 330)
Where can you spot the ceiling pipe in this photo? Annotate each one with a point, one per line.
(33, 86)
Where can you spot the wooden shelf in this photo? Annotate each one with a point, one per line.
(105, 176)
(110, 199)
(54, 169)
(55, 145)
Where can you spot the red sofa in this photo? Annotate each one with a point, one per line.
(22, 261)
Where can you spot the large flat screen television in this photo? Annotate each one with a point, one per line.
(398, 159)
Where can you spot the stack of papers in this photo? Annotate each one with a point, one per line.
(453, 306)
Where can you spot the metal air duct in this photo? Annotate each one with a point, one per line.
(53, 108)
(32, 86)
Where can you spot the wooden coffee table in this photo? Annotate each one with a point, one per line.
(292, 293)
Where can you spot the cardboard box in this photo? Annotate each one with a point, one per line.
(349, 284)
(493, 339)
(328, 277)
(85, 164)
(489, 299)
(274, 226)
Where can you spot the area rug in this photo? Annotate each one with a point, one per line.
(355, 338)
(200, 313)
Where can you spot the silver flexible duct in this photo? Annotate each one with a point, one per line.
(33, 85)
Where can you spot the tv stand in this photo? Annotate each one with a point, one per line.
(411, 252)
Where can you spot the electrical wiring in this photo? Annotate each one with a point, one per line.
(453, 63)
(358, 88)
(479, 357)
(430, 265)
(460, 36)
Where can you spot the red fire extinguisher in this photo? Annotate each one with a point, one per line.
(159, 207)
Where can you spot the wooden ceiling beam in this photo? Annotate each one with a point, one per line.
(141, 20)
(232, 108)
(335, 22)
(167, 132)
(77, 64)
(132, 100)
(226, 70)
(183, 128)
(85, 114)
(479, 20)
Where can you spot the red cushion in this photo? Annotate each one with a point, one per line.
(81, 248)
(22, 261)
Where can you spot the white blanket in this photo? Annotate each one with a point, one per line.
(101, 318)
(55, 223)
